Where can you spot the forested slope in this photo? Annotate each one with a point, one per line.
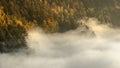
(18, 16)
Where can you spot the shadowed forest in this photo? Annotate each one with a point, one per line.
(52, 16)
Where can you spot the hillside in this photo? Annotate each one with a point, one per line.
(18, 16)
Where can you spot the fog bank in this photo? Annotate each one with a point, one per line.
(98, 47)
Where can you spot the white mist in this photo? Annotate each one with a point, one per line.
(68, 50)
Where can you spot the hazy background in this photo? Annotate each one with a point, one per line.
(97, 48)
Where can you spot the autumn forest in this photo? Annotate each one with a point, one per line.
(52, 16)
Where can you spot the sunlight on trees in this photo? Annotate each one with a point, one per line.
(19, 16)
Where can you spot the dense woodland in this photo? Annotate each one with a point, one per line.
(19, 16)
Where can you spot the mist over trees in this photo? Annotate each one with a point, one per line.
(18, 16)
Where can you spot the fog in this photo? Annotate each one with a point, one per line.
(97, 47)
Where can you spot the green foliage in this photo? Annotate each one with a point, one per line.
(12, 33)
(64, 12)
(18, 16)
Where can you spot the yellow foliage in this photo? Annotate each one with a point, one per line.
(6, 20)
(50, 25)
(18, 22)
(57, 9)
(30, 25)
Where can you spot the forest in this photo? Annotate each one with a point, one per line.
(52, 16)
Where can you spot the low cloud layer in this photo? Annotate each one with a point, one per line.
(68, 50)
